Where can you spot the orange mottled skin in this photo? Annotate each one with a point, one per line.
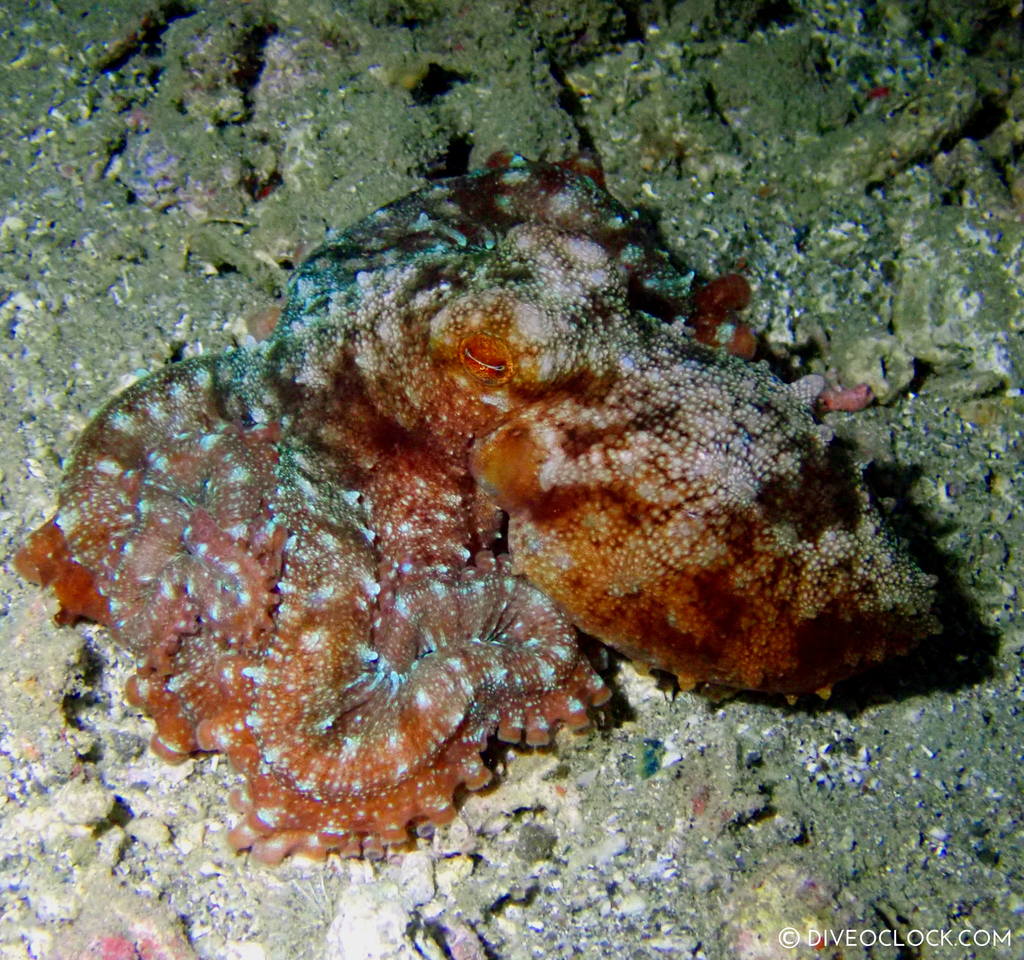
(490, 416)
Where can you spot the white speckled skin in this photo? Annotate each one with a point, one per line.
(304, 539)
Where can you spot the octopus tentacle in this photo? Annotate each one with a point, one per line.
(409, 729)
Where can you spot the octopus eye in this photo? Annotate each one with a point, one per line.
(488, 358)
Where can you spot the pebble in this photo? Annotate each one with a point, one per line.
(83, 802)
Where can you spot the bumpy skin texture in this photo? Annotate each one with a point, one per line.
(301, 539)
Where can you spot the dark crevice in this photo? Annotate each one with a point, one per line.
(177, 352)
(435, 83)
(922, 372)
(220, 265)
(121, 814)
(635, 26)
(453, 162)
(570, 103)
(259, 188)
(78, 701)
(454, 943)
(251, 59)
(520, 898)
(713, 105)
(979, 124)
(751, 817)
(146, 37)
(247, 73)
(778, 13)
(567, 99)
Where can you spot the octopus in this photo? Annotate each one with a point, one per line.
(493, 420)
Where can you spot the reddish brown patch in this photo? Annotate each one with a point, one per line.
(846, 399)
(45, 559)
(261, 323)
(727, 292)
(585, 164)
(508, 467)
(499, 160)
(716, 304)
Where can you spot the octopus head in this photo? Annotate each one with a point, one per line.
(546, 314)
